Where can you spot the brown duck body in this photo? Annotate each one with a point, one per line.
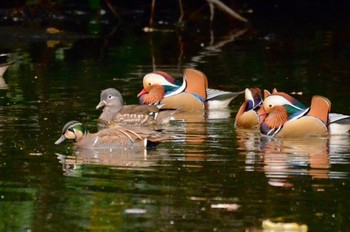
(110, 138)
(116, 113)
(247, 119)
(113, 138)
(133, 115)
(303, 127)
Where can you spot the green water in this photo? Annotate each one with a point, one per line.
(210, 177)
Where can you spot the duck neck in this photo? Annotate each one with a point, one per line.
(109, 111)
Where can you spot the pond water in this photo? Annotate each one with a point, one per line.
(210, 176)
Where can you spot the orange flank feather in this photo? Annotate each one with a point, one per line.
(241, 110)
(197, 82)
(320, 107)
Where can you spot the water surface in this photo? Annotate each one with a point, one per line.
(210, 176)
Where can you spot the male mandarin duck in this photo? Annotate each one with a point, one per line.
(110, 138)
(116, 113)
(287, 117)
(190, 95)
(248, 114)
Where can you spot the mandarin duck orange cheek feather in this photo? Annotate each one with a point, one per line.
(275, 119)
(154, 95)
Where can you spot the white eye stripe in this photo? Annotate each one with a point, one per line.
(275, 100)
(154, 78)
(111, 96)
(75, 124)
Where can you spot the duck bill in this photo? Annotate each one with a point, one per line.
(60, 140)
(101, 104)
(143, 91)
(262, 114)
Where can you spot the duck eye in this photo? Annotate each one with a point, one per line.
(149, 83)
(270, 105)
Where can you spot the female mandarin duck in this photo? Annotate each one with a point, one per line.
(109, 138)
(287, 117)
(248, 114)
(193, 94)
(115, 112)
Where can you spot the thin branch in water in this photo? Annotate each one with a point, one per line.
(228, 10)
(152, 14)
(181, 11)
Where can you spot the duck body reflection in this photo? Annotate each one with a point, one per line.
(282, 159)
(73, 164)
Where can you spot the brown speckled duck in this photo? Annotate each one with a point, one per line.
(110, 138)
(116, 113)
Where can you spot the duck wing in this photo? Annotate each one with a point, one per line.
(196, 83)
(338, 118)
(216, 94)
(320, 108)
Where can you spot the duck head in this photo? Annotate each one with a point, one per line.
(74, 131)
(155, 85)
(110, 98)
(279, 108)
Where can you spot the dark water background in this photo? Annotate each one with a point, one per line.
(210, 177)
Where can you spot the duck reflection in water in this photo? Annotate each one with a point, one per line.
(78, 163)
(284, 159)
